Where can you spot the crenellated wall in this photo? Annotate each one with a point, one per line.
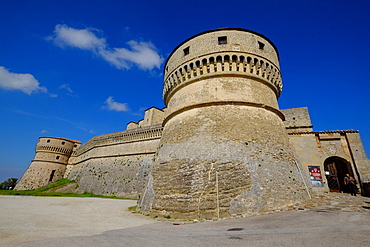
(122, 137)
(223, 63)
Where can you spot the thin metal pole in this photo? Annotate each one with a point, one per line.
(218, 202)
(303, 178)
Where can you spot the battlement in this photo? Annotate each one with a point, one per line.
(52, 149)
(59, 145)
(222, 52)
(330, 133)
(126, 136)
(223, 64)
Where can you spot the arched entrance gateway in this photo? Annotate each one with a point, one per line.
(335, 169)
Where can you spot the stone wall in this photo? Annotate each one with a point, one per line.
(297, 119)
(117, 163)
(256, 172)
(357, 151)
(306, 150)
(122, 176)
(314, 148)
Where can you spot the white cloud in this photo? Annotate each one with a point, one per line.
(142, 54)
(66, 87)
(43, 131)
(23, 82)
(83, 38)
(111, 105)
(69, 90)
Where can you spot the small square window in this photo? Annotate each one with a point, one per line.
(222, 40)
(261, 45)
(187, 51)
(57, 157)
(63, 143)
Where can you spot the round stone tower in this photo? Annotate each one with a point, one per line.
(224, 149)
(49, 164)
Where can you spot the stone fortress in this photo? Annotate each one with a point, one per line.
(220, 148)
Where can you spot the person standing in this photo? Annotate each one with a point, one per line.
(350, 182)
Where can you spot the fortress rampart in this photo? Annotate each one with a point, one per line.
(118, 163)
(220, 148)
(122, 137)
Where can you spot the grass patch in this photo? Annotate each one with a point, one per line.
(43, 191)
(58, 183)
(133, 208)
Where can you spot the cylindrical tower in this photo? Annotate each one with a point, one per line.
(49, 164)
(224, 149)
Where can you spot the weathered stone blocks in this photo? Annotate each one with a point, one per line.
(248, 149)
(222, 120)
(117, 176)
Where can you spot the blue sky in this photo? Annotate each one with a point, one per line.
(76, 69)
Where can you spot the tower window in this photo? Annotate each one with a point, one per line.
(52, 175)
(57, 157)
(48, 141)
(222, 40)
(261, 45)
(187, 51)
(63, 143)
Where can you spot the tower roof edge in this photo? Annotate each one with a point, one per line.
(221, 29)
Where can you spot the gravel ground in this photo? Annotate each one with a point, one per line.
(331, 219)
(28, 218)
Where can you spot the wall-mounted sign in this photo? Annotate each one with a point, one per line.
(315, 175)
